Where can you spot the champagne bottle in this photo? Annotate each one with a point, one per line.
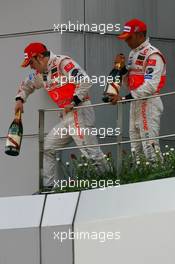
(14, 138)
(113, 87)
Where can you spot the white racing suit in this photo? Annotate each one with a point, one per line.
(146, 76)
(64, 84)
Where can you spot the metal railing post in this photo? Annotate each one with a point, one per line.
(59, 168)
(119, 138)
(41, 147)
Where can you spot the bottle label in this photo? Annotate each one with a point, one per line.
(13, 140)
(18, 115)
(113, 88)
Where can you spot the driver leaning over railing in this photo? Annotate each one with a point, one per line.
(49, 70)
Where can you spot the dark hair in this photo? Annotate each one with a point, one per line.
(145, 33)
(46, 53)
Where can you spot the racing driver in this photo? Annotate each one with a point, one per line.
(65, 82)
(145, 75)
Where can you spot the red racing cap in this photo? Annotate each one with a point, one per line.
(32, 50)
(132, 26)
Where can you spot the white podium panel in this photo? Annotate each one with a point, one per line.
(128, 224)
(19, 229)
(57, 243)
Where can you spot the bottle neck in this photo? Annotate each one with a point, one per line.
(118, 66)
(18, 115)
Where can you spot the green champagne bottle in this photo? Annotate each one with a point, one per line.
(14, 138)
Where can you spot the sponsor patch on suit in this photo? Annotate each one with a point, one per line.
(148, 77)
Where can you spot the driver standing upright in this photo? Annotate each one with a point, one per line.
(145, 75)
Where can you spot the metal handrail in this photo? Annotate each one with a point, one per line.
(102, 104)
(115, 143)
(119, 142)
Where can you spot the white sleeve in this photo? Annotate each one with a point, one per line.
(154, 69)
(28, 86)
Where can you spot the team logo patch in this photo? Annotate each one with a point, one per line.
(144, 52)
(136, 29)
(54, 70)
(139, 62)
(79, 77)
(74, 72)
(130, 61)
(151, 62)
(127, 29)
(148, 77)
(26, 56)
(31, 76)
(149, 70)
(144, 116)
(69, 66)
(140, 57)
